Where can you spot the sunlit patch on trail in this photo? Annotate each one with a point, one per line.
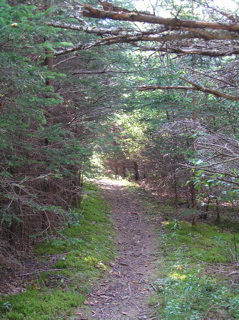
(116, 182)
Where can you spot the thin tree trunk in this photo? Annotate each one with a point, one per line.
(217, 211)
(136, 171)
(193, 189)
(116, 169)
(49, 64)
(48, 52)
(175, 188)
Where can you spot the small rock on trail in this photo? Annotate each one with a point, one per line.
(125, 292)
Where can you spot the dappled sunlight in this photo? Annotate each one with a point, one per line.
(165, 223)
(120, 160)
(92, 261)
(178, 267)
(177, 276)
(116, 182)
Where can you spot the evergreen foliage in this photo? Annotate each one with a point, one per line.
(70, 262)
(154, 103)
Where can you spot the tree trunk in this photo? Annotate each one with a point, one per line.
(136, 171)
(48, 53)
(193, 190)
(123, 170)
(217, 211)
(49, 64)
(116, 169)
(175, 187)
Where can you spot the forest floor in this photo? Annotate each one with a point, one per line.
(163, 268)
(125, 292)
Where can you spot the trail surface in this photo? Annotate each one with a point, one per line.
(126, 290)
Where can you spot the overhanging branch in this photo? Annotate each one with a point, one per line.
(145, 88)
(100, 71)
(212, 51)
(89, 11)
(195, 87)
(211, 91)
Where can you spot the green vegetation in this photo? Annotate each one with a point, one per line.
(195, 263)
(151, 102)
(194, 280)
(74, 258)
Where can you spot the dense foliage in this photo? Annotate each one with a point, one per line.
(186, 135)
(153, 101)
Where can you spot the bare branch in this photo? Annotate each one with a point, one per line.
(100, 71)
(64, 61)
(212, 91)
(179, 40)
(89, 11)
(87, 29)
(211, 52)
(145, 88)
(195, 87)
(211, 77)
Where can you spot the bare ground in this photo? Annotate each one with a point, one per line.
(127, 291)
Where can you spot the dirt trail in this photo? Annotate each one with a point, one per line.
(126, 291)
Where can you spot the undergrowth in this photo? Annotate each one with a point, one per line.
(194, 282)
(198, 266)
(74, 258)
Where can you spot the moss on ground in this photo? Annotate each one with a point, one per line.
(194, 283)
(195, 265)
(77, 256)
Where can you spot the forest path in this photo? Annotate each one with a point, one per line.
(125, 292)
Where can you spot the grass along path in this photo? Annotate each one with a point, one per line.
(73, 259)
(199, 270)
(164, 268)
(126, 291)
(199, 276)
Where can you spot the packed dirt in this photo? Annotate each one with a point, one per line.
(127, 291)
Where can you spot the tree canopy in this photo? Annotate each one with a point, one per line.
(152, 92)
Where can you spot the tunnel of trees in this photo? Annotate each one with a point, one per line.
(141, 90)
